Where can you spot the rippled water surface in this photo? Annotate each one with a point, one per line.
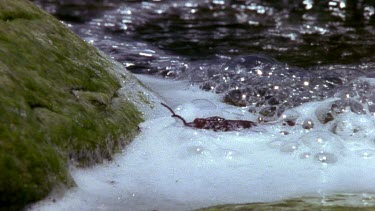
(263, 54)
(302, 33)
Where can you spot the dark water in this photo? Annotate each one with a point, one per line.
(268, 55)
(300, 33)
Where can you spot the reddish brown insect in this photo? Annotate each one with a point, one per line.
(214, 123)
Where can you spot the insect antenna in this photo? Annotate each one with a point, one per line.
(175, 115)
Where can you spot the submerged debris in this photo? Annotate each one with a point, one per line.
(214, 123)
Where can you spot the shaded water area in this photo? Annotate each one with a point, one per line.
(300, 33)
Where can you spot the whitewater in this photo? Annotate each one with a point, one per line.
(172, 167)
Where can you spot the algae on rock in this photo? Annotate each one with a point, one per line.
(59, 100)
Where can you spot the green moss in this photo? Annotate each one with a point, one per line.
(58, 100)
(144, 99)
(18, 9)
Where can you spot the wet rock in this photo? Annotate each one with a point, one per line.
(58, 99)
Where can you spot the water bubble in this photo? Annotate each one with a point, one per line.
(346, 104)
(204, 104)
(371, 108)
(366, 153)
(235, 97)
(252, 110)
(250, 61)
(305, 155)
(290, 123)
(322, 141)
(289, 147)
(349, 125)
(324, 114)
(325, 157)
(307, 124)
(230, 154)
(273, 101)
(197, 150)
(356, 107)
(338, 107)
(208, 85)
(284, 132)
(268, 111)
(275, 144)
(290, 115)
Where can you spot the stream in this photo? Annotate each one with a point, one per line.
(303, 70)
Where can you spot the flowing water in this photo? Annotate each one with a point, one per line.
(304, 69)
(263, 54)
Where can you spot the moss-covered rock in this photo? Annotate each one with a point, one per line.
(59, 101)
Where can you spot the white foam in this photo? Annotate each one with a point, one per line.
(173, 167)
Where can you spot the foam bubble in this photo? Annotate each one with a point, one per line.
(307, 124)
(305, 155)
(322, 141)
(366, 153)
(289, 147)
(325, 157)
(353, 126)
(275, 144)
(204, 104)
(196, 150)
